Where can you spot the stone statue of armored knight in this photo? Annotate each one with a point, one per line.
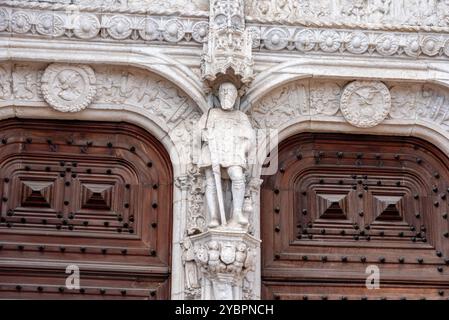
(223, 142)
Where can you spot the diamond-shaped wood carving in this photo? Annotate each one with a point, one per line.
(97, 196)
(36, 193)
(388, 208)
(332, 206)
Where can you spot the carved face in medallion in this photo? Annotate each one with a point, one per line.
(68, 84)
(227, 95)
(67, 87)
(365, 104)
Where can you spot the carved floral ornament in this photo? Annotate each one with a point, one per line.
(120, 26)
(349, 42)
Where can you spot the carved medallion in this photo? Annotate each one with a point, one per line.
(305, 40)
(149, 29)
(276, 39)
(412, 47)
(86, 26)
(431, 45)
(68, 88)
(365, 104)
(50, 24)
(119, 27)
(174, 31)
(200, 31)
(387, 45)
(329, 41)
(358, 43)
(20, 22)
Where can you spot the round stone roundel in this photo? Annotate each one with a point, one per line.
(68, 88)
(365, 104)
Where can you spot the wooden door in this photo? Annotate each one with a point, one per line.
(341, 204)
(90, 194)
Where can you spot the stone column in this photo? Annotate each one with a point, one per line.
(222, 259)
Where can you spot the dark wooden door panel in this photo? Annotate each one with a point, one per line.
(340, 203)
(86, 193)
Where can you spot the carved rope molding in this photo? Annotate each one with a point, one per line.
(99, 26)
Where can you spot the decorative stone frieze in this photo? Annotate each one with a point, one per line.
(410, 15)
(364, 104)
(72, 87)
(70, 22)
(102, 26)
(313, 41)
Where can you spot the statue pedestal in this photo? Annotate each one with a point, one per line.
(225, 258)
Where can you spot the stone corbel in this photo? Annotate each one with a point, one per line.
(224, 258)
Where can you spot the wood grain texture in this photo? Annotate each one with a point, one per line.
(94, 194)
(340, 203)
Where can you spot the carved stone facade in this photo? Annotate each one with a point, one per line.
(353, 66)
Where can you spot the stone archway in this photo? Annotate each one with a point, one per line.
(313, 107)
(127, 94)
